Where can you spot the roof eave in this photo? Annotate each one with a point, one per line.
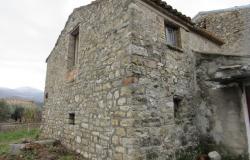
(208, 35)
(172, 13)
(168, 10)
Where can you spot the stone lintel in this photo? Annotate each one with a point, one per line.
(231, 74)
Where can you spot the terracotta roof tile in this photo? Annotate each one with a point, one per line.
(164, 7)
(170, 9)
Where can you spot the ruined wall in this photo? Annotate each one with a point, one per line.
(220, 116)
(232, 25)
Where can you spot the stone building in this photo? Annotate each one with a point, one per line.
(136, 79)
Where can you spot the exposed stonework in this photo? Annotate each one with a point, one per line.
(92, 89)
(221, 116)
(232, 25)
(131, 96)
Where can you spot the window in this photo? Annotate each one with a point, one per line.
(177, 100)
(72, 118)
(247, 89)
(46, 95)
(73, 48)
(173, 36)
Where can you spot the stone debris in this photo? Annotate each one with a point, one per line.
(15, 149)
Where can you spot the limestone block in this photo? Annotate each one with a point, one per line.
(121, 101)
(120, 149)
(15, 149)
(214, 155)
(115, 140)
(120, 132)
(138, 50)
(127, 122)
(125, 91)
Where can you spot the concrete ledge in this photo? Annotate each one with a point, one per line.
(15, 149)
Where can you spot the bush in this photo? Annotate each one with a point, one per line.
(5, 111)
(189, 154)
(32, 114)
(18, 113)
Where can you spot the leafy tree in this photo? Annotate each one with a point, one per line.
(32, 114)
(18, 113)
(4, 111)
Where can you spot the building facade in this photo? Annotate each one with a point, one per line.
(136, 79)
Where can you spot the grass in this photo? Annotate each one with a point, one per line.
(4, 149)
(56, 151)
(67, 157)
(15, 137)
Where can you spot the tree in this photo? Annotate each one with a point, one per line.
(18, 113)
(32, 114)
(4, 111)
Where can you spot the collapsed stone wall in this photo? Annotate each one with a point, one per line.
(232, 25)
(220, 116)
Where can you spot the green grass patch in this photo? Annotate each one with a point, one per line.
(4, 149)
(15, 137)
(66, 157)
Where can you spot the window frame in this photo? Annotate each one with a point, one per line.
(176, 32)
(73, 51)
(72, 118)
(76, 39)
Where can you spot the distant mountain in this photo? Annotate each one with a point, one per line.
(27, 93)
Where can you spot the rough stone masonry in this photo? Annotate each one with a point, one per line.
(123, 81)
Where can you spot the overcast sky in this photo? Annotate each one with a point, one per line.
(29, 30)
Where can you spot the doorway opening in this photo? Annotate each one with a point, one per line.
(247, 94)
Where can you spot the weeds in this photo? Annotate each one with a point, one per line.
(15, 137)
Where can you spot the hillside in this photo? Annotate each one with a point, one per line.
(20, 102)
(26, 93)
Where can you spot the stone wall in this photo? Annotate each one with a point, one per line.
(163, 72)
(220, 116)
(92, 89)
(123, 88)
(232, 25)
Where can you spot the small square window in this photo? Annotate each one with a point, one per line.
(46, 95)
(173, 36)
(72, 118)
(177, 102)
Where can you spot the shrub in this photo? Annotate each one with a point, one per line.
(5, 112)
(32, 114)
(18, 113)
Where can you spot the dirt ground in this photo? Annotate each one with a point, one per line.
(35, 151)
